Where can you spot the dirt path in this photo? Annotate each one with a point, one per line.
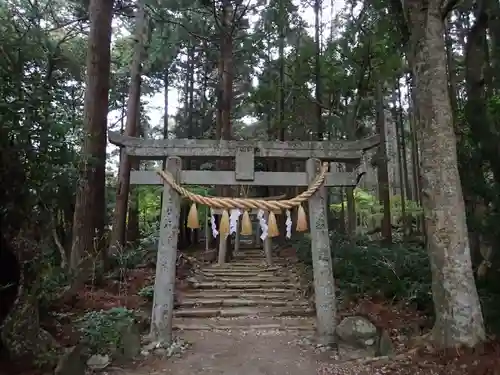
(243, 319)
(237, 352)
(248, 319)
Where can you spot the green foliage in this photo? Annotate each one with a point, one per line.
(131, 257)
(101, 329)
(400, 272)
(149, 234)
(367, 268)
(368, 206)
(149, 208)
(52, 278)
(147, 292)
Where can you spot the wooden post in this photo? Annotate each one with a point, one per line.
(222, 248)
(257, 241)
(268, 250)
(268, 245)
(324, 287)
(163, 302)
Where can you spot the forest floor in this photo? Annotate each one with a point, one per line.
(287, 353)
(249, 351)
(243, 350)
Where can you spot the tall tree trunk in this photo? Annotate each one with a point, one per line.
(192, 129)
(133, 232)
(279, 165)
(190, 92)
(401, 126)
(133, 107)
(382, 171)
(459, 320)
(166, 84)
(224, 126)
(95, 125)
(281, 19)
(480, 130)
(351, 126)
(227, 75)
(397, 116)
(317, 70)
(415, 159)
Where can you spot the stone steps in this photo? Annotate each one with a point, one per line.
(256, 263)
(238, 274)
(248, 279)
(207, 312)
(247, 258)
(243, 293)
(242, 271)
(245, 289)
(244, 285)
(238, 302)
(263, 323)
(250, 254)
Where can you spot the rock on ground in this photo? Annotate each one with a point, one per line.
(357, 330)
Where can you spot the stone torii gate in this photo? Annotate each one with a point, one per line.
(244, 153)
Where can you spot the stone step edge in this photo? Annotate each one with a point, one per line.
(227, 312)
(242, 285)
(259, 327)
(243, 294)
(239, 302)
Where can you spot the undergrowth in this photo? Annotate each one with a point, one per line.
(101, 330)
(147, 292)
(400, 272)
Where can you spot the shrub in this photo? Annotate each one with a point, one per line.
(52, 279)
(101, 329)
(147, 292)
(399, 272)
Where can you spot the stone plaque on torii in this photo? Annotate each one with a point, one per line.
(244, 153)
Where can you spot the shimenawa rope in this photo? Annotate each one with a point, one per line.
(248, 203)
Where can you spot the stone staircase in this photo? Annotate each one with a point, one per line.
(244, 293)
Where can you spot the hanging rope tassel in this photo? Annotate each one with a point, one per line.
(272, 225)
(246, 224)
(301, 220)
(192, 221)
(224, 224)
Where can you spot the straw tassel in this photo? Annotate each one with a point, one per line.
(272, 225)
(224, 223)
(246, 224)
(192, 220)
(301, 220)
